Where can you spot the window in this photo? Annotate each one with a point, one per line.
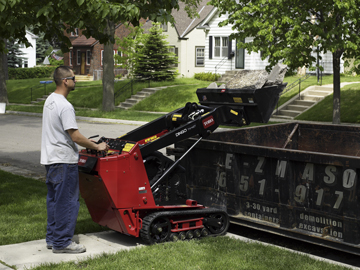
(217, 47)
(221, 46)
(75, 33)
(70, 57)
(102, 56)
(199, 56)
(240, 57)
(25, 63)
(224, 46)
(175, 51)
(78, 57)
(164, 27)
(88, 57)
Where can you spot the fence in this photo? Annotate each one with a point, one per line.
(130, 87)
(42, 84)
(98, 73)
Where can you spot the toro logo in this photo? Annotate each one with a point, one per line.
(82, 161)
(208, 122)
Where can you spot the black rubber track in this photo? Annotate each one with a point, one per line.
(145, 232)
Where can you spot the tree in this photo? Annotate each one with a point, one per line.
(108, 103)
(14, 58)
(54, 17)
(41, 47)
(289, 31)
(154, 60)
(127, 47)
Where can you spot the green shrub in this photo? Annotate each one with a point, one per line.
(207, 76)
(30, 73)
(55, 62)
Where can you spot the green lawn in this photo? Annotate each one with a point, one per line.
(171, 98)
(23, 210)
(312, 80)
(349, 109)
(89, 95)
(86, 94)
(206, 254)
(23, 218)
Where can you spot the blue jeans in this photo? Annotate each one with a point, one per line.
(62, 202)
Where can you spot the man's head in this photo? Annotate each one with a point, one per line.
(64, 75)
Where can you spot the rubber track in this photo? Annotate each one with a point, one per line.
(198, 212)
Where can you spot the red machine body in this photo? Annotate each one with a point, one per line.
(135, 190)
(120, 194)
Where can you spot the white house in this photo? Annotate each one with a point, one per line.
(186, 40)
(222, 54)
(29, 54)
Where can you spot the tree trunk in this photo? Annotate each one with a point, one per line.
(108, 71)
(336, 85)
(3, 78)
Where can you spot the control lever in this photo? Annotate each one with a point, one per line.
(93, 137)
(90, 150)
(195, 114)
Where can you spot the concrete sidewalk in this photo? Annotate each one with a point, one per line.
(33, 253)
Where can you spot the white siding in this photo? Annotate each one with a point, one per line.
(253, 60)
(326, 63)
(186, 50)
(172, 39)
(219, 64)
(29, 54)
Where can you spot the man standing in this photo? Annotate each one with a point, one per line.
(59, 154)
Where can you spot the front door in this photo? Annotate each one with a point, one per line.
(240, 57)
(82, 71)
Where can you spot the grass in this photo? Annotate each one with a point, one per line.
(88, 95)
(208, 253)
(117, 114)
(23, 210)
(24, 91)
(349, 109)
(312, 80)
(171, 98)
(23, 218)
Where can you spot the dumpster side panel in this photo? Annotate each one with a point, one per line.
(306, 194)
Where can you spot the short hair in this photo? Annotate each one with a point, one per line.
(61, 72)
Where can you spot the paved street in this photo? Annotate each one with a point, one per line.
(20, 137)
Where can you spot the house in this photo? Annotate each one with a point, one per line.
(186, 40)
(29, 54)
(86, 54)
(222, 53)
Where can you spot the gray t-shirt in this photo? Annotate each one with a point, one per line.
(56, 144)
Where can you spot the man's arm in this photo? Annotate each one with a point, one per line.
(80, 139)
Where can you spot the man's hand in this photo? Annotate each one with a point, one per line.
(102, 147)
(81, 140)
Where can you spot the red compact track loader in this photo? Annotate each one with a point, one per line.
(136, 190)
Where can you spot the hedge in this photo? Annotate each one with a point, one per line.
(30, 73)
(208, 76)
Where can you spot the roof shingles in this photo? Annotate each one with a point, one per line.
(184, 24)
(83, 41)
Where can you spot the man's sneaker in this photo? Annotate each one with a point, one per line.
(49, 246)
(72, 248)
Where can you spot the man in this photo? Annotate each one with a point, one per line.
(59, 154)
